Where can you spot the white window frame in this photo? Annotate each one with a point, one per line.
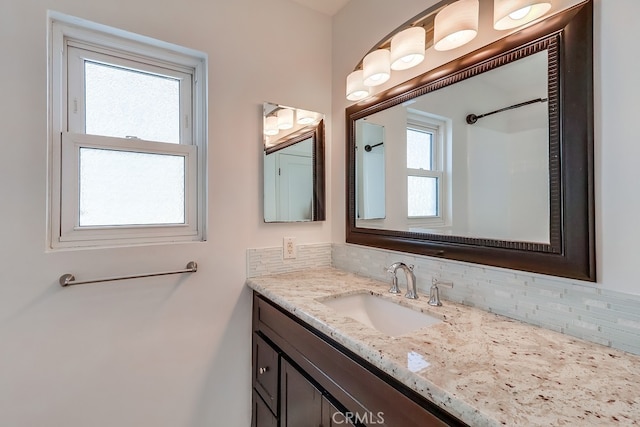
(78, 53)
(71, 40)
(424, 122)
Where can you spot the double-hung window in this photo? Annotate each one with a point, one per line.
(128, 138)
(425, 164)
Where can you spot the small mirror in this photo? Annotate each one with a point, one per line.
(293, 164)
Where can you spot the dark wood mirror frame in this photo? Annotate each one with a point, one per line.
(571, 252)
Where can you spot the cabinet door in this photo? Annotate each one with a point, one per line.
(262, 415)
(301, 401)
(265, 372)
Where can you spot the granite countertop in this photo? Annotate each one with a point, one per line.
(483, 368)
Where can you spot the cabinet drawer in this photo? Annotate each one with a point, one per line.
(266, 365)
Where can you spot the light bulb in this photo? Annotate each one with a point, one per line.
(456, 25)
(520, 13)
(356, 90)
(285, 118)
(271, 125)
(407, 48)
(509, 14)
(376, 67)
(304, 117)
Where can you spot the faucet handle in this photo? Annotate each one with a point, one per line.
(434, 292)
(394, 278)
(437, 282)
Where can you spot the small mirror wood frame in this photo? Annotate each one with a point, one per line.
(568, 37)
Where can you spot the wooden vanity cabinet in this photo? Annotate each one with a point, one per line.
(304, 404)
(282, 392)
(319, 383)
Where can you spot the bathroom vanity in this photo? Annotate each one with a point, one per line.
(313, 363)
(304, 378)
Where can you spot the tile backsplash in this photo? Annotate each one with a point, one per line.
(270, 260)
(572, 307)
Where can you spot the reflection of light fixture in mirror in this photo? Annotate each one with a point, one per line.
(456, 25)
(304, 117)
(285, 118)
(376, 67)
(356, 90)
(271, 125)
(514, 13)
(407, 48)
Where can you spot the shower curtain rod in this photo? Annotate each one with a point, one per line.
(472, 118)
(368, 147)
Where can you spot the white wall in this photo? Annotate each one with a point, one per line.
(171, 351)
(617, 90)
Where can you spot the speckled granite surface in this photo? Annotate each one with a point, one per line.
(483, 368)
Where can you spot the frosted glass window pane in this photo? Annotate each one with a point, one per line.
(125, 188)
(120, 102)
(422, 196)
(419, 149)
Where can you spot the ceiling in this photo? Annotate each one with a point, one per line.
(328, 7)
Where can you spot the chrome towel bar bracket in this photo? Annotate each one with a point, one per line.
(69, 279)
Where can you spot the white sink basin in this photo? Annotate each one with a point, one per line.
(380, 313)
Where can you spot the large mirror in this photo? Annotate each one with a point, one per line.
(487, 159)
(293, 164)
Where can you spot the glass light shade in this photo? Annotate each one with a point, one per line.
(356, 90)
(509, 14)
(285, 118)
(407, 48)
(376, 67)
(456, 25)
(304, 117)
(271, 125)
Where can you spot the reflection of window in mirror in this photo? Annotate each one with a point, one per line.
(425, 165)
(422, 185)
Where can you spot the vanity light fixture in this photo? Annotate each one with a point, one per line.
(285, 118)
(509, 14)
(376, 67)
(356, 90)
(407, 48)
(271, 125)
(447, 25)
(456, 25)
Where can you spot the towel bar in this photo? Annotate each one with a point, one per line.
(69, 279)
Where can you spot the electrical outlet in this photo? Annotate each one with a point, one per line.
(289, 250)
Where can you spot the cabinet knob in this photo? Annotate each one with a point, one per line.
(263, 370)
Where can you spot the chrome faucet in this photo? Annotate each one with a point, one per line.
(434, 292)
(411, 279)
